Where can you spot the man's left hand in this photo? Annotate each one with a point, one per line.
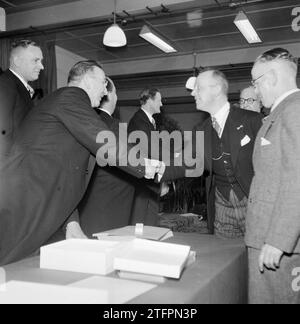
(269, 257)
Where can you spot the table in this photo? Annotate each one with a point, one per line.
(219, 274)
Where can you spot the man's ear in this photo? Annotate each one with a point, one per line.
(86, 81)
(273, 78)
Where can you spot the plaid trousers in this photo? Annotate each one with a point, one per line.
(230, 215)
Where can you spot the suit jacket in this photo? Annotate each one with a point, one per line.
(274, 206)
(107, 202)
(44, 175)
(243, 124)
(15, 103)
(145, 205)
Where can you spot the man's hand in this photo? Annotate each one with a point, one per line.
(152, 167)
(269, 257)
(74, 231)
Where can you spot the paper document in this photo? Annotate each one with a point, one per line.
(149, 233)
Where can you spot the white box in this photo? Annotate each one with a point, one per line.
(76, 255)
(153, 258)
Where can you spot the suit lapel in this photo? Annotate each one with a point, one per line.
(236, 133)
(208, 129)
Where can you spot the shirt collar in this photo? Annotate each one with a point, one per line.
(26, 85)
(282, 97)
(148, 115)
(106, 111)
(221, 115)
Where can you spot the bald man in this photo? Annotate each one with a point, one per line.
(273, 219)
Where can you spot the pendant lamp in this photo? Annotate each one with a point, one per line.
(114, 35)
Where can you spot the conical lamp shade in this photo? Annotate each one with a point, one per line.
(114, 37)
(190, 83)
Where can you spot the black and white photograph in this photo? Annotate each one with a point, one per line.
(149, 155)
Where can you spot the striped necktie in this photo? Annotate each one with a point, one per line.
(216, 126)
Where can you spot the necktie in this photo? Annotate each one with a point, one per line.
(216, 126)
(154, 123)
(30, 90)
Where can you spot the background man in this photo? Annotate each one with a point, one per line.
(15, 92)
(44, 177)
(273, 221)
(229, 136)
(146, 202)
(250, 100)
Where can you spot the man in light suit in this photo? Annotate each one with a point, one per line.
(229, 135)
(44, 177)
(15, 92)
(273, 217)
(107, 202)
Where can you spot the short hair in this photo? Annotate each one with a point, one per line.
(148, 93)
(219, 75)
(81, 68)
(22, 43)
(109, 87)
(278, 53)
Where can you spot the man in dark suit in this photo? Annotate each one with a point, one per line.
(229, 136)
(43, 178)
(273, 219)
(146, 202)
(107, 202)
(15, 92)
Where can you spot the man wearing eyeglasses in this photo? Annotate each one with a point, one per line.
(249, 100)
(229, 136)
(273, 219)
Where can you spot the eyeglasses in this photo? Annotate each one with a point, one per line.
(254, 81)
(249, 101)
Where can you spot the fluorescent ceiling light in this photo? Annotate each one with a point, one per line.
(243, 24)
(156, 40)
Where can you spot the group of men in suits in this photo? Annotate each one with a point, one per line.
(261, 198)
(43, 178)
(45, 152)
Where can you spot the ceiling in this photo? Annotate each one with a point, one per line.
(194, 27)
(12, 6)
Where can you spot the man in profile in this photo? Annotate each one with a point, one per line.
(229, 136)
(273, 220)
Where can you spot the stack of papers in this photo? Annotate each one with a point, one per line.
(149, 233)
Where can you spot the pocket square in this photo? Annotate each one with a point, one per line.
(264, 142)
(245, 140)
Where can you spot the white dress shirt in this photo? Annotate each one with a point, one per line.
(151, 119)
(221, 116)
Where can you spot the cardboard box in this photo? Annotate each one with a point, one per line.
(153, 258)
(76, 255)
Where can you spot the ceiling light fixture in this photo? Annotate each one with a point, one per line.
(245, 27)
(190, 83)
(114, 35)
(152, 37)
